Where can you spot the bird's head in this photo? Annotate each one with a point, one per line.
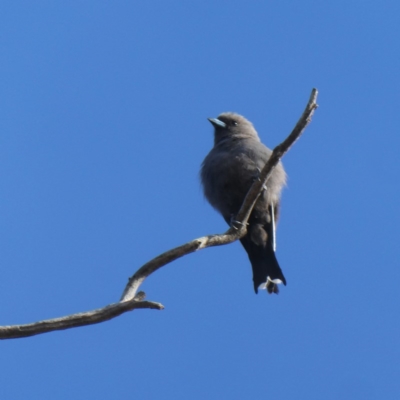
(230, 125)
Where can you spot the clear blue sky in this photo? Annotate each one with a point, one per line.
(103, 129)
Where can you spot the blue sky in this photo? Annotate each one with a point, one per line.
(103, 130)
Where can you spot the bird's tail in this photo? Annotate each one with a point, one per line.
(267, 273)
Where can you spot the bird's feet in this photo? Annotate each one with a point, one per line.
(236, 224)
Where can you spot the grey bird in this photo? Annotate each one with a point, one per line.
(227, 174)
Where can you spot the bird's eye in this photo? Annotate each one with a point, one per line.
(234, 123)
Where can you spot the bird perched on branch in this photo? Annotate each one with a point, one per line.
(227, 174)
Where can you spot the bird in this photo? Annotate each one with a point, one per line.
(227, 173)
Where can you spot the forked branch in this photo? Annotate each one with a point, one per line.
(131, 299)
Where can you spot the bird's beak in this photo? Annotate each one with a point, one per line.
(217, 123)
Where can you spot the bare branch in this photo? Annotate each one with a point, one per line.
(171, 255)
(279, 151)
(75, 320)
(132, 301)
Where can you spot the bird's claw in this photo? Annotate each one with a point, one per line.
(237, 223)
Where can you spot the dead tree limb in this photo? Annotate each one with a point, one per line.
(131, 299)
(75, 320)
